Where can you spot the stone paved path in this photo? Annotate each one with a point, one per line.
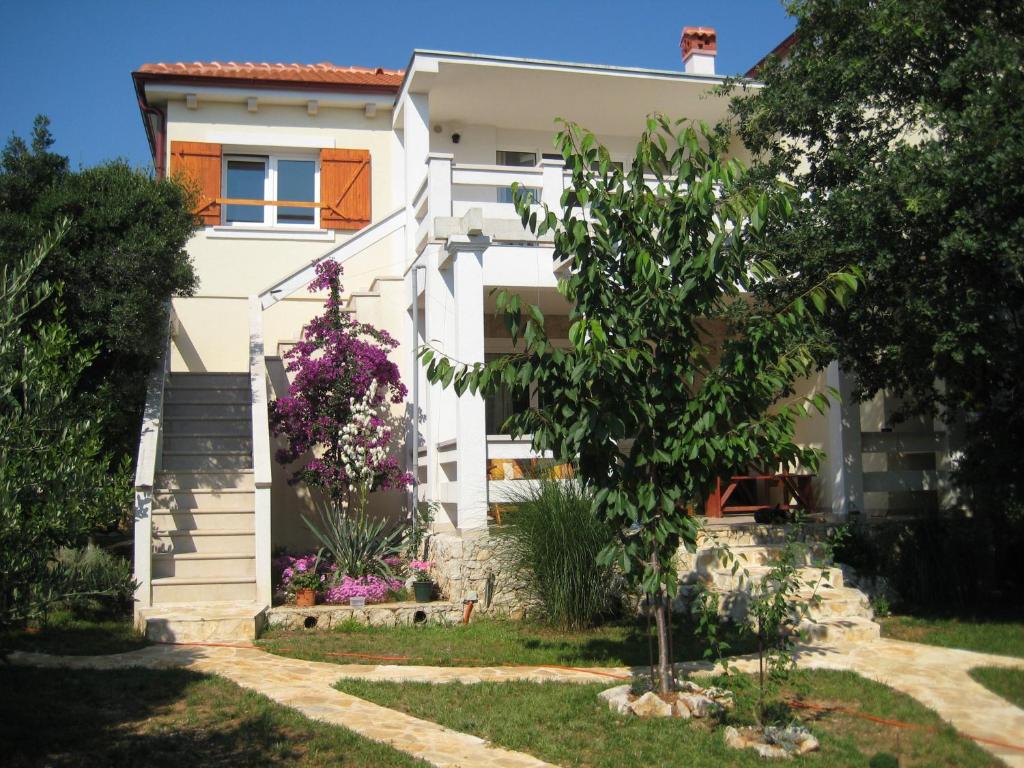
(937, 677)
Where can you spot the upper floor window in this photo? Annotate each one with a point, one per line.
(518, 160)
(288, 187)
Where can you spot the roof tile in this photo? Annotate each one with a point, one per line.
(324, 73)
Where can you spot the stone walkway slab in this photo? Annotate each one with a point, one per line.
(936, 677)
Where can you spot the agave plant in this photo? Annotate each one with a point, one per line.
(360, 546)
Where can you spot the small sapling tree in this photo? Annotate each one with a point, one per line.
(675, 374)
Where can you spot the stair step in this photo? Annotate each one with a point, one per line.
(192, 443)
(203, 500)
(205, 479)
(176, 589)
(211, 396)
(840, 630)
(746, 555)
(208, 380)
(212, 426)
(204, 541)
(204, 565)
(213, 622)
(175, 460)
(203, 411)
(745, 576)
(200, 520)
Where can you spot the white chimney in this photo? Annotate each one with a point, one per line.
(699, 46)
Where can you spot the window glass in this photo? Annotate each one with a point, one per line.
(519, 160)
(504, 402)
(245, 181)
(296, 180)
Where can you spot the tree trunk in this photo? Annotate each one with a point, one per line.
(661, 618)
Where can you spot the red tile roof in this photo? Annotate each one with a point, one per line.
(324, 74)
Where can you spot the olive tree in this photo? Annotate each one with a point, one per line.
(674, 375)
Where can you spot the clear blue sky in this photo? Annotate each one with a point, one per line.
(72, 59)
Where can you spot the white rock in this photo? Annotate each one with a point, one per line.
(614, 693)
(700, 705)
(680, 710)
(651, 705)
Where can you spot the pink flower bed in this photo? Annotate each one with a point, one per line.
(374, 588)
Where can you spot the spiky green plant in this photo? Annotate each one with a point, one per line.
(553, 540)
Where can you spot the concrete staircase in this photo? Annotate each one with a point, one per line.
(204, 557)
(834, 612)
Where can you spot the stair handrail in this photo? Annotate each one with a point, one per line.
(150, 450)
(261, 465)
(359, 242)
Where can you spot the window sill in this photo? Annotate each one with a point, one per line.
(226, 232)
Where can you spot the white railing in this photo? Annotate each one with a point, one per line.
(262, 473)
(359, 242)
(150, 450)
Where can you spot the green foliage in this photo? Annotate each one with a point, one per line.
(903, 125)
(672, 378)
(124, 256)
(54, 483)
(87, 580)
(554, 542)
(358, 544)
(958, 564)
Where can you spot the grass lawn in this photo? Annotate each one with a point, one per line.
(164, 718)
(1008, 683)
(565, 724)
(68, 634)
(486, 642)
(1002, 637)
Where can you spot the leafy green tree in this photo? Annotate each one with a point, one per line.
(674, 375)
(55, 485)
(902, 123)
(121, 259)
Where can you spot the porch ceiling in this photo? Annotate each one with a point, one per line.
(530, 96)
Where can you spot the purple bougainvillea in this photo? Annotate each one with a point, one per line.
(335, 417)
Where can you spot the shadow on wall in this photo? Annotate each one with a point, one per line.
(187, 350)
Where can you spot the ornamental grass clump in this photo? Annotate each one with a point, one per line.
(554, 540)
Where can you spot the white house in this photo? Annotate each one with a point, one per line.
(403, 176)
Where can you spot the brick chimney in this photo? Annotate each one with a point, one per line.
(699, 46)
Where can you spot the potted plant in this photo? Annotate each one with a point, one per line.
(422, 585)
(304, 586)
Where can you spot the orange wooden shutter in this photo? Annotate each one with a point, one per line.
(344, 188)
(199, 164)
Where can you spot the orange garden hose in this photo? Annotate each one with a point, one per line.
(899, 723)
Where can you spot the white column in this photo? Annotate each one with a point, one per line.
(438, 318)
(471, 447)
(553, 175)
(439, 186)
(844, 453)
(416, 136)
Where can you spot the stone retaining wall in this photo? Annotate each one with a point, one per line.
(474, 562)
(378, 615)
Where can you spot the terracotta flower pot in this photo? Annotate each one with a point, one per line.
(304, 598)
(424, 591)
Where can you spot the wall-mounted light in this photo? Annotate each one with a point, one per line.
(456, 138)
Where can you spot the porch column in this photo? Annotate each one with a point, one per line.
(471, 446)
(439, 403)
(844, 451)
